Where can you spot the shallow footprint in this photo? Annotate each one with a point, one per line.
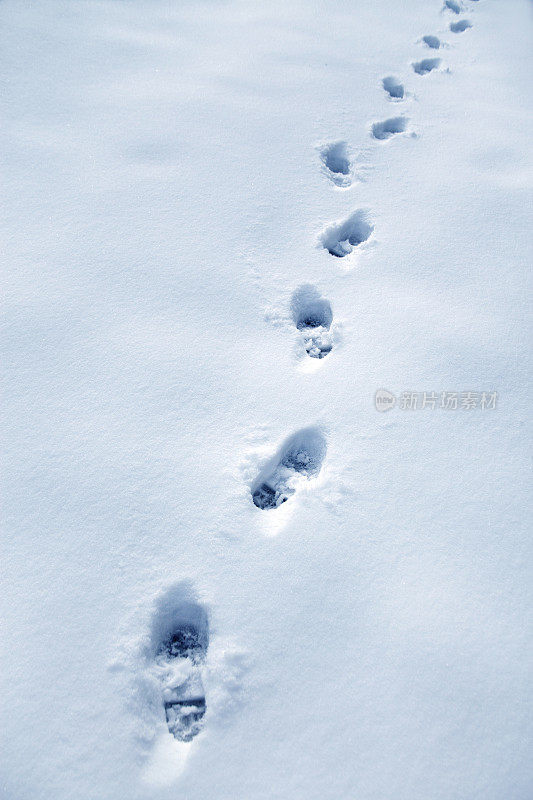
(389, 127)
(394, 88)
(313, 316)
(299, 459)
(461, 26)
(180, 653)
(432, 41)
(336, 160)
(452, 5)
(426, 65)
(340, 238)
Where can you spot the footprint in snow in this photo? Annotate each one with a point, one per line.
(394, 88)
(337, 165)
(432, 41)
(340, 238)
(181, 641)
(452, 5)
(426, 65)
(389, 127)
(299, 459)
(313, 316)
(460, 26)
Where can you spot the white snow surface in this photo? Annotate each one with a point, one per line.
(165, 195)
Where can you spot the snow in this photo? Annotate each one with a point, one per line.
(174, 174)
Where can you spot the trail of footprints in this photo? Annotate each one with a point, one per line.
(181, 647)
(301, 457)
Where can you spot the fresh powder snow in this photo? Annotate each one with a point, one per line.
(266, 382)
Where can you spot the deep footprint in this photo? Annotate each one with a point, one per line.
(394, 88)
(299, 459)
(432, 41)
(340, 238)
(179, 658)
(389, 127)
(336, 160)
(453, 6)
(461, 26)
(313, 316)
(426, 65)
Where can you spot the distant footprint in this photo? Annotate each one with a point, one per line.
(394, 88)
(453, 6)
(336, 161)
(340, 238)
(313, 316)
(432, 41)
(460, 26)
(299, 459)
(426, 65)
(182, 638)
(389, 127)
